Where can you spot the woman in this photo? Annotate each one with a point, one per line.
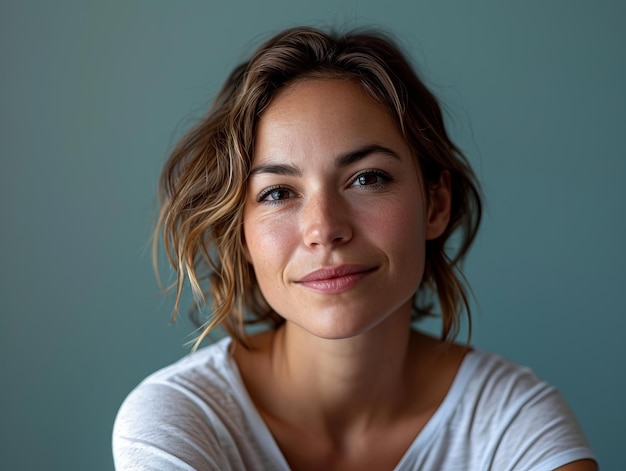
(317, 196)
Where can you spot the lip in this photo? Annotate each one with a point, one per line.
(336, 279)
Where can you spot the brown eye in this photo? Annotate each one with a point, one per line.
(371, 179)
(367, 179)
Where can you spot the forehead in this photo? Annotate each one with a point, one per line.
(324, 114)
(319, 94)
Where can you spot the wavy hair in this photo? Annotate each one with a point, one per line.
(203, 184)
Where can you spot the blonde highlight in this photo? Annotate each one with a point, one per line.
(203, 184)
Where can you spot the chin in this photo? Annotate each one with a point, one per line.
(338, 326)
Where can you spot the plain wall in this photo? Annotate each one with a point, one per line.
(94, 94)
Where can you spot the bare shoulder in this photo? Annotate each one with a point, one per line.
(582, 465)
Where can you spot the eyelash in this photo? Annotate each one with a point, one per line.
(268, 191)
(383, 179)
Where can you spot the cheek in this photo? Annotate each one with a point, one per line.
(401, 223)
(269, 245)
(266, 242)
(401, 228)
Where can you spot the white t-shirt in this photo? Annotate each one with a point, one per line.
(196, 414)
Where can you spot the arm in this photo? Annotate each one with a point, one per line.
(582, 465)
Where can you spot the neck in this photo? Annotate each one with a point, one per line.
(344, 383)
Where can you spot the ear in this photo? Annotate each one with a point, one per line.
(439, 205)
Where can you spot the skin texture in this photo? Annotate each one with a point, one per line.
(582, 465)
(322, 199)
(323, 213)
(334, 187)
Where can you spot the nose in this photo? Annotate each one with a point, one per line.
(326, 221)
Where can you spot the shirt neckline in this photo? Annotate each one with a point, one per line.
(439, 418)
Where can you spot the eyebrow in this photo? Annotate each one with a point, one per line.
(276, 169)
(342, 160)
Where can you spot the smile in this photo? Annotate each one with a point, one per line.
(335, 279)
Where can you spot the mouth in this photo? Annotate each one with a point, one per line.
(336, 279)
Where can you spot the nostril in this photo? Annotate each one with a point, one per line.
(325, 221)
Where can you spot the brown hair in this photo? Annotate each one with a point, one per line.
(203, 184)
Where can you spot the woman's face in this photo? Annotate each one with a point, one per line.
(335, 221)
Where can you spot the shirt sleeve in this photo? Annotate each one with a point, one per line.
(539, 432)
(160, 426)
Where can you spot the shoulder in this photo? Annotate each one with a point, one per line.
(497, 386)
(203, 377)
(524, 421)
(503, 391)
(176, 418)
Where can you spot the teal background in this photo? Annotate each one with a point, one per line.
(93, 95)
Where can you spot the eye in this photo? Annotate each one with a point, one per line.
(275, 195)
(370, 179)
